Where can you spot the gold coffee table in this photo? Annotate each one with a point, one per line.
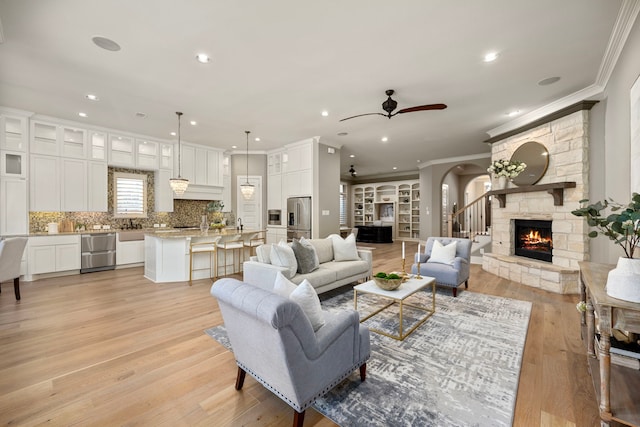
(398, 296)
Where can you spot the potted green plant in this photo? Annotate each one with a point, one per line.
(217, 217)
(621, 225)
(504, 170)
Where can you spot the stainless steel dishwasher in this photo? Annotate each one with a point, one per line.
(98, 252)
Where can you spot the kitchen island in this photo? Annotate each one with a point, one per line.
(166, 253)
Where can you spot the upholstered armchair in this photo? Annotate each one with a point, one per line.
(451, 274)
(11, 251)
(273, 340)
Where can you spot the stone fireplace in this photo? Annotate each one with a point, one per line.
(547, 257)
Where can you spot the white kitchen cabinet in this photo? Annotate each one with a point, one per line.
(50, 254)
(13, 164)
(44, 138)
(188, 157)
(13, 133)
(274, 192)
(163, 192)
(299, 183)
(147, 154)
(44, 183)
(97, 186)
(226, 182)
(73, 188)
(97, 146)
(214, 167)
(276, 234)
(131, 252)
(166, 156)
(274, 163)
(201, 173)
(73, 142)
(14, 211)
(122, 151)
(298, 157)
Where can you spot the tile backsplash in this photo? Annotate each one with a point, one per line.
(185, 212)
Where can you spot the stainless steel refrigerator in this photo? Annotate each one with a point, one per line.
(298, 217)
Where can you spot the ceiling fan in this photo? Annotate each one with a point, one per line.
(389, 105)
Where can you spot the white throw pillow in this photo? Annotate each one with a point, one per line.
(344, 249)
(307, 298)
(443, 254)
(282, 255)
(263, 252)
(283, 286)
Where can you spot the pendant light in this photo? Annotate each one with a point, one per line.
(179, 185)
(247, 188)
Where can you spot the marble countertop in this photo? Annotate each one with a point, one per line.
(174, 233)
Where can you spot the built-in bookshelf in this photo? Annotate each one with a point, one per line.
(375, 202)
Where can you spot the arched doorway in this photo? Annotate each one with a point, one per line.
(463, 184)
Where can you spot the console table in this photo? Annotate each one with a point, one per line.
(375, 233)
(616, 386)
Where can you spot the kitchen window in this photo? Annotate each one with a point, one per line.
(129, 195)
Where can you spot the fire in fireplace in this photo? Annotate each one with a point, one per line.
(532, 239)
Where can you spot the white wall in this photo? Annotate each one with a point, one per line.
(610, 141)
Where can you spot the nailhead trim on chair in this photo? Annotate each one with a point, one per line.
(309, 402)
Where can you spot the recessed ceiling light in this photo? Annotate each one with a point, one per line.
(384, 139)
(257, 139)
(234, 146)
(203, 58)
(141, 115)
(395, 168)
(92, 97)
(82, 114)
(418, 160)
(325, 113)
(513, 113)
(172, 133)
(491, 56)
(352, 155)
(343, 134)
(193, 122)
(106, 43)
(548, 81)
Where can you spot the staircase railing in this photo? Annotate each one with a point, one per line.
(471, 220)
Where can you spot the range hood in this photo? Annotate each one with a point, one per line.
(201, 192)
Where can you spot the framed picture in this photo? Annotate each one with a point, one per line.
(634, 114)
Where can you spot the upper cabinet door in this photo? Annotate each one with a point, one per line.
(122, 151)
(188, 167)
(214, 168)
(74, 142)
(166, 156)
(13, 133)
(147, 152)
(97, 146)
(45, 138)
(45, 183)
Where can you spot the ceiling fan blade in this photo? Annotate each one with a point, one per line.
(422, 108)
(360, 115)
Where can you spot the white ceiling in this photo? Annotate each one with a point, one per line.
(277, 64)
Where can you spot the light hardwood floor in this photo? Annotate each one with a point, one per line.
(112, 348)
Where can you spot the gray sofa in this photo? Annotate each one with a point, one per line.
(272, 339)
(331, 274)
(450, 275)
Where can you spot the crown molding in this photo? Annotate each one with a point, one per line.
(455, 160)
(624, 23)
(578, 106)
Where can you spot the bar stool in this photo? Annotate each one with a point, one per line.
(252, 241)
(200, 247)
(235, 243)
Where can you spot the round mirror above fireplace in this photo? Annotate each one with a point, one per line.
(536, 157)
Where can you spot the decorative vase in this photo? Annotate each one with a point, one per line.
(624, 280)
(500, 182)
(204, 225)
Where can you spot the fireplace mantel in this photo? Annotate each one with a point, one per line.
(555, 189)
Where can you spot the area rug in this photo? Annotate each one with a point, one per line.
(460, 368)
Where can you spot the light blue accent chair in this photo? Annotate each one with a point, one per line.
(450, 275)
(273, 340)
